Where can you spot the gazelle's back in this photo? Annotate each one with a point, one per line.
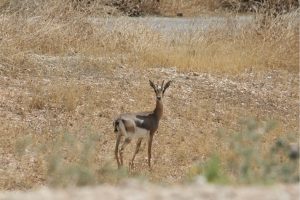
(136, 121)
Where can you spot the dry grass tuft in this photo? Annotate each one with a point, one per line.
(66, 97)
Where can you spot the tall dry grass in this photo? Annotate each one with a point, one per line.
(149, 7)
(232, 49)
(57, 8)
(196, 7)
(129, 41)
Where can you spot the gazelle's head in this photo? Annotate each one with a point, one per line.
(160, 89)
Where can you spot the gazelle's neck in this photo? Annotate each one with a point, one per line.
(158, 111)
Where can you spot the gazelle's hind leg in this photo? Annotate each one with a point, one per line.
(117, 149)
(121, 131)
(125, 143)
(137, 149)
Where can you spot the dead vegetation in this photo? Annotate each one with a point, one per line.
(147, 7)
(74, 111)
(226, 48)
(65, 74)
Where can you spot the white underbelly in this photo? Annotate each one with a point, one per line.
(139, 133)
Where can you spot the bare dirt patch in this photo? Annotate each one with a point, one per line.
(83, 101)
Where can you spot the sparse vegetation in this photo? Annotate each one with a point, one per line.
(249, 159)
(68, 160)
(66, 69)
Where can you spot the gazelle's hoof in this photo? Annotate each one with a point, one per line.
(131, 165)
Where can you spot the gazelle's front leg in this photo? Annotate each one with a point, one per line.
(117, 149)
(137, 149)
(149, 150)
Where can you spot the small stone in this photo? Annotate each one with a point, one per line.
(200, 180)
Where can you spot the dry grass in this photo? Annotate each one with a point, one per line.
(50, 119)
(198, 7)
(72, 74)
(188, 8)
(223, 49)
(60, 8)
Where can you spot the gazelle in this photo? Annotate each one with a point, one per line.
(139, 125)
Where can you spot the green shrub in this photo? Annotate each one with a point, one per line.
(211, 170)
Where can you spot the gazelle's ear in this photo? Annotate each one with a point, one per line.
(152, 85)
(166, 86)
(162, 84)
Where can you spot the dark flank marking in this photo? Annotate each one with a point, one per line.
(150, 122)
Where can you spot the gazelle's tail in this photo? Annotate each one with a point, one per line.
(119, 126)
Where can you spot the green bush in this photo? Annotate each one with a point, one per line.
(211, 170)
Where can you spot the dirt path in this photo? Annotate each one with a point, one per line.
(144, 191)
(170, 24)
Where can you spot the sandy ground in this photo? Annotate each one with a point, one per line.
(197, 105)
(135, 190)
